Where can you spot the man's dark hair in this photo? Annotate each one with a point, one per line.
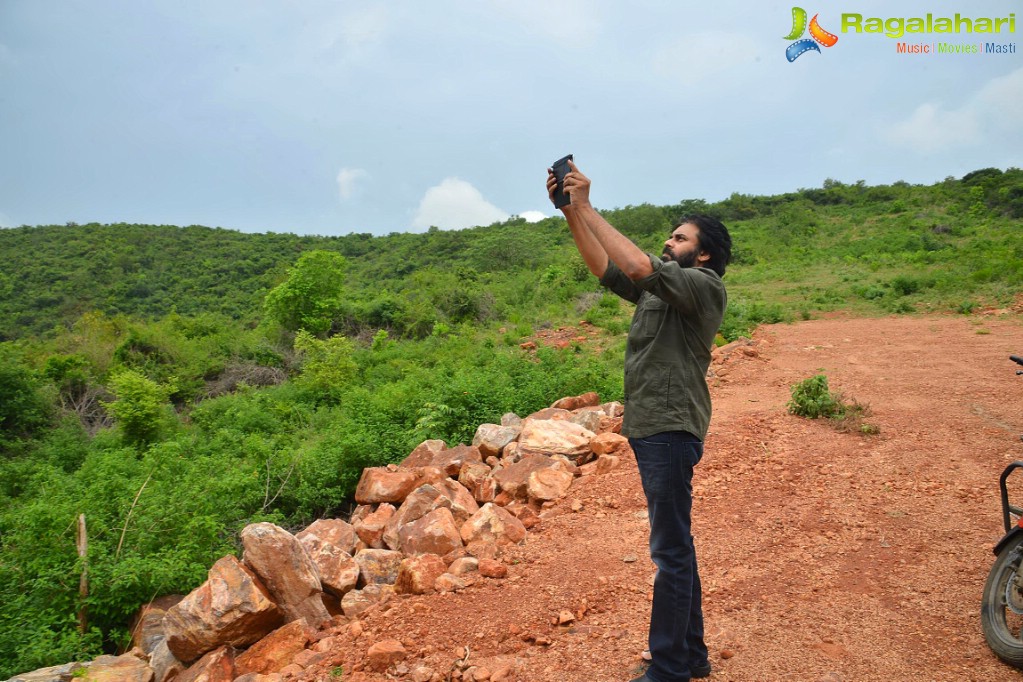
(714, 239)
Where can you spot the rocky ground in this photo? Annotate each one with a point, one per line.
(825, 556)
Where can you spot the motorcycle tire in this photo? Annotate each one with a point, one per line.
(1001, 610)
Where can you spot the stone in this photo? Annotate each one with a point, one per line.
(423, 454)
(371, 528)
(231, 607)
(464, 565)
(126, 668)
(383, 655)
(165, 666)
(513, 479)
(463, 505)
(448, 583)
(452, 459)
(290, 575)
(379, 484)
(357, 602)
(485, 490)
(556, 437)
(491, 439)
(436, 533)
(216, 666)
(526, 514)
(490, 568)
(511, 453)
(590, 399)
(276, 650)
(421, 501)
(337, 532)
(550, 413)
(548, 484)
(147, 626)
(338, 571)
(511, 419)
(56, 673)
(603, 465)
(493, 524)
(608, 444)
(378, 566)
(418, 574)
(472, 473)
(588, 419)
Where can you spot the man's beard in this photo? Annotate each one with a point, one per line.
(686, 260)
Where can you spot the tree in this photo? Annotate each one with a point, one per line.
(140, 406)
(310, 297)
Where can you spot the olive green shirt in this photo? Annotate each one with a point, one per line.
(678, 313)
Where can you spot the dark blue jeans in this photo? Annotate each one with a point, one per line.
(666, 462)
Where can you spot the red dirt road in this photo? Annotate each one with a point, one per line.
(825, 556)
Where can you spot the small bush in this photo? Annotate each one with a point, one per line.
(813, 399)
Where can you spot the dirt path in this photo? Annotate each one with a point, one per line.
(825, 556)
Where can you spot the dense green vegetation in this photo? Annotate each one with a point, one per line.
(174, 384)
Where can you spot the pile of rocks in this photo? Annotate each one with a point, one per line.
(431, 523)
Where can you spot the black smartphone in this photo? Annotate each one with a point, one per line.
(560, 168)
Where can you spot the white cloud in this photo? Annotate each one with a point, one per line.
(454, 204)
(989, 113)
(532, 216)
(702, 56)
(347, 179)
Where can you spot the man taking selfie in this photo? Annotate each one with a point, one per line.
(680, 302)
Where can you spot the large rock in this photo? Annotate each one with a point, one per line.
(548, 484)
(338, 571)
(436, 533)
(56, 673)
(147, 626)
(472, 473)
(276, 650)
(492, 438)
(279, 559)
(423, 454)
(165, 666)
(358, 602)
(589, 419)
(418, 574)
(556, 437)
(602, 465)
(371, 527)
(590, 399)
(452, 459)
(380, 484)
(463, 505)
(609, 444)
(549, 413)
(419, 502)
(126, 668)
(216, 666)
(337, 532)
(514, 478)
(231, 607)
(384, 654)
(493, 524)
(378, 566)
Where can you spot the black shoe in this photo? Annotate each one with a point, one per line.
(700, 670)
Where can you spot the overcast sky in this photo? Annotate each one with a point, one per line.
(331, 117)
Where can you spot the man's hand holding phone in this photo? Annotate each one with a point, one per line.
(566, 186)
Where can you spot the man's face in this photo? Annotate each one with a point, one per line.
(683, 247)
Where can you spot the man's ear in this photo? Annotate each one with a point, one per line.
(703, 257)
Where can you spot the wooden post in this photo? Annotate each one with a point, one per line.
(83, 583)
